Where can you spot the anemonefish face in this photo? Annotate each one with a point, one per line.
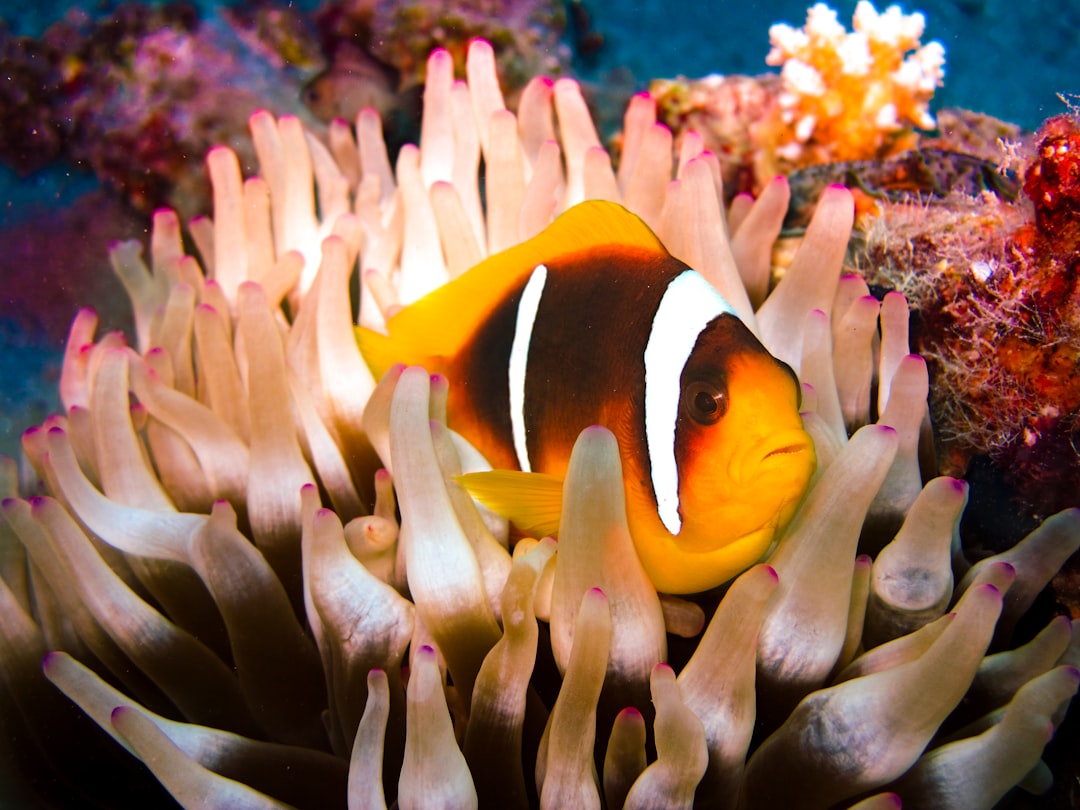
(735, 461)
(743, 453)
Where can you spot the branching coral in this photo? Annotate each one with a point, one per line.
(215, 617)
(847, 96)
(840, 96)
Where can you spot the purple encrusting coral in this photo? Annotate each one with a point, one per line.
(139, 97)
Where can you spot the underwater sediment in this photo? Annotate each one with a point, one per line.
(249, 563)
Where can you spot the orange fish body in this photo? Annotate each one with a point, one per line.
(593, 322)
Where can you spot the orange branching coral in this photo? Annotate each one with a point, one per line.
(848, 96)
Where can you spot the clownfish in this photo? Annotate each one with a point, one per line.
(593, 322)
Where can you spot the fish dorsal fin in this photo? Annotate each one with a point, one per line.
(531, 501)
(440, 323)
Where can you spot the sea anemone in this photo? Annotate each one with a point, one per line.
(251, 565)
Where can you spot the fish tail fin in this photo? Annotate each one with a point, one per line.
(531, 501)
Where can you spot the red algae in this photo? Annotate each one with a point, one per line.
(1047, 255)
(1052, 182)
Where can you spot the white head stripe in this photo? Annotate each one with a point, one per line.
(519, 359)
(687, 307)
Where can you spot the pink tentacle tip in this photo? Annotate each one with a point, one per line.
(885, 428)
(57, 431)
(8, 503)
(49, 660)
(598, 592)
(838, 187)
(1073, 671)
(772, 572)
(381, 474)
(959, 484)
(120, 712)
(780, 179)
(33, 430)
(661, 126)
(660, 666)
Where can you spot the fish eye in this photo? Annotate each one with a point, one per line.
(705, 403)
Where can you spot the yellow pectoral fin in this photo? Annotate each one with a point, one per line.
(531, 501)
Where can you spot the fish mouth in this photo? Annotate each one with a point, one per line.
(786, 449)
(792, 449)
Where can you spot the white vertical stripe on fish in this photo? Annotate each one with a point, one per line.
(687, 307)
(519, 360)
